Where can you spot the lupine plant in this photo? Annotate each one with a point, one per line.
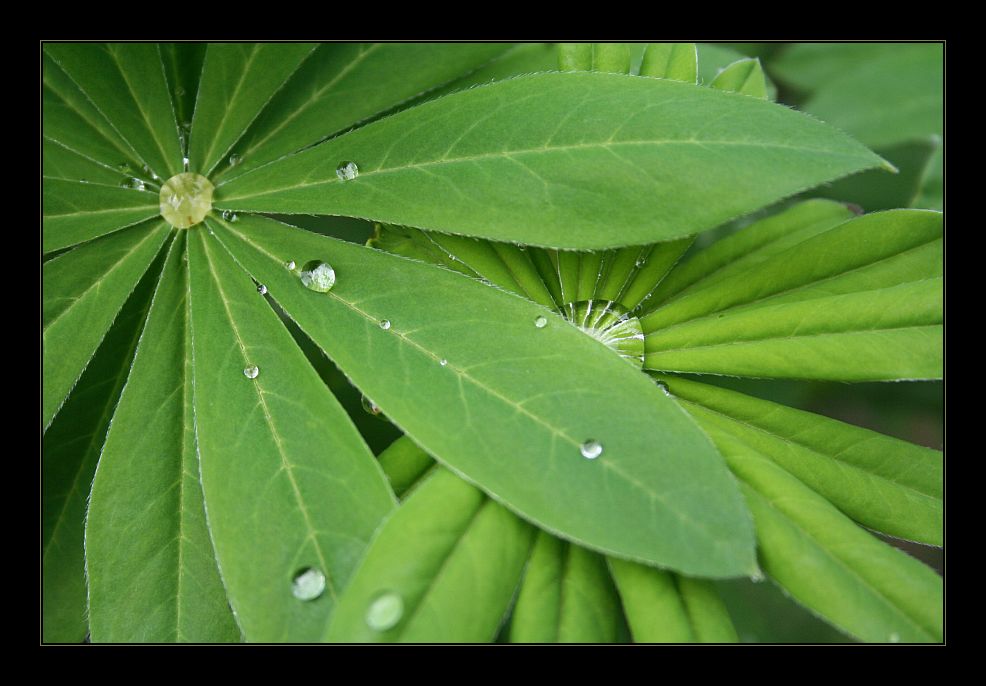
(539, 327)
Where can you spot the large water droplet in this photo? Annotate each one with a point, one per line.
(540, 321)
(612, 325)
(185, 199)
(251, 372)
(317, 276)
(370, 406)
(347, 171)
(591, 449)
(385, 611)
(229, 216)
(132, 182)
(308, 584)
(384, 324)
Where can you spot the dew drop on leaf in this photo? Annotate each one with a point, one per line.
(664, 387)
(229, 216)
(185, 199)
(251, 372)
(591, 449)
(308, 584)
(134, 183)
(289, 264)
(317, 276)
(541, 321)
(262, 289)
(385, 611)
(443, 362)
(384, 324)
(184, 163)
(370, 406)
(234, 159)
(347, 171)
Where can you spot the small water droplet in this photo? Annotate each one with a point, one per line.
(251, 372)
(184, 163)
(318, 276)
(641, 261)
(385, 611)
(308, 584)
(262, 289)
(234, 159)
(187, 125)
(443, 362)
(179, 91)
(83, 181)
(289, 264)
(369, 406)
(125, 167)
(229, 216)
(384, 324)
(347, 171)
(664, 387)
(541, 321)
(133, 183)
(894, 637)
(591, 449)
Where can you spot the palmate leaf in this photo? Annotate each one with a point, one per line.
(70, 451)
(83, 290)
(292, 492)
(485, 414)
(442, 568)
(558, 159)
(151, 570)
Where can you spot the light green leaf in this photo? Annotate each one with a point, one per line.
(238, 80)
(662, 607)
(743, 76)
(566, 596)
(676, 61)
(70, 450)
(932, 192)
(77, 211)
(713, 58)
(822, 559)
(859, 302)
(126, 82)
(289, 485)
(83, 290)
(575, 154)
(613, 58)
(443, 568)
(487, 413)
(404, 463)
(341, 84)
(575, 56)
(151, 570)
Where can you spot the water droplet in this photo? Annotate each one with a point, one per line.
(83, 181)
(262, 289)
(308, 584)
(591, 449)
(757, 577)
(612, 325)
(318, 276)
(179, 91)
(443, 362)
(184, 163)
(541, 321)
(234, 159)
(384, 324)
(251, 372)
(664, 387)
(370, 406)
(347, 171)
(229, 216)
(289, 264)
(125, 167)
(894, 637)
(385, 611)
(186, 199)
(133, 182)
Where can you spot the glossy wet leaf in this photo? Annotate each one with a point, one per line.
(442, 568)
(83, 290)
(576, 153)
(150, 566)
(566, 596)
(859, 302)
(289, 484)
(487, 414)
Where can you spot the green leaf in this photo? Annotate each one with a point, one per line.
(822, 559)
(443, 568)
(183, 67)
(238, 80)
(575, 56)
(613, 58)
(341, 84)
(70, 451)
(289, 484)
(743, 76)
(522, 58)
(676, 61)
(77, 211)
(83, 290)
(932, 192)
(151, 570)
(575, 154)
(883, 483)
(404, 463)
(513, 404)
(63, 164)
(566, 596)
(126, 82)
(666, 608)
(859, 302)
(809, 66)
